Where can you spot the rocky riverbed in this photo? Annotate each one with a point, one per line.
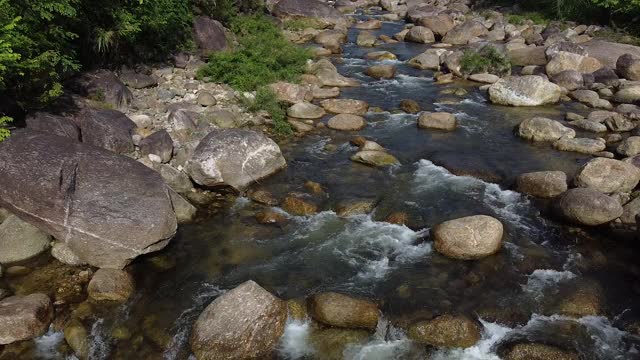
(420, 212)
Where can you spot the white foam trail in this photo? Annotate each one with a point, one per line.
(47, 345)
(371, 247)
(483, 350)
(183, 324)
(294, 343)
(542, 279)
(318, 147)
(395, 121)
(388, 342)
(99, 347)
(508, 205)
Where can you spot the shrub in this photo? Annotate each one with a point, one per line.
(4, 132)
(487, 59)
(266, 100)
(264, 56)
(226, 10)
(536, 17)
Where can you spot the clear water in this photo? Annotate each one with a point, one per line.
(513, 292)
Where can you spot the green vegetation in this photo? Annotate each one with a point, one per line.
(44, 42)
(521, 18)
(485, 60)
(4, 132)
(264, 56)
(266, 100)
(301, 24)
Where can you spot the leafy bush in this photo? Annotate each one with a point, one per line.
(536, 17)
(226, 10)
(485, 60)
(266, 100)
(4, 132)
(264, 56)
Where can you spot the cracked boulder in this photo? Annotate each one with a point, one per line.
(108, 209)
(234, 157)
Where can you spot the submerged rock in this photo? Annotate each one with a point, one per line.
(534, 351)
(20, 240)
(587, 206)
(244, 323)
(543, 184)
(234, 157)
(76, 192)
(332, 342)
(608, 176)
(344, 311)
(529, 90)
(24, 317)
(356, 207)
(296, 205)
(446, 331)
(375, 158)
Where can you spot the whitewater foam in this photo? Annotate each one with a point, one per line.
(294, 343)
(542, 279)
(46, 346)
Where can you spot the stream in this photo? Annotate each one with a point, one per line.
(514, 293)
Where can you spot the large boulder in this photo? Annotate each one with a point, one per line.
(345, 106)
(439, 24)
(209, 34)
(451, 331)
(588, 206)
(569, 61)
(104, 86)
(136, 80)
(628, 67)
(106, 128)
(344, 311)
(463, 33)
(536, 351)
(428, 60)
(24, 317)
(159, 143)
(608, 175)
(542, 184)
(528, 56)
(347, 122)
(53, 125)
(469, 238)
(420, 34)
(543, 129)
(314, 9)
(244, 323)
(291, 93)
(20, 240)
(107, 208)
(529, 90)
(234, 157)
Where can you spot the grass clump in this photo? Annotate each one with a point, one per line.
(266, 100)
(263, 56)
(485, 60)
(537, 18)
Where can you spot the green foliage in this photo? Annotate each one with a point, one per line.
(4, 132)
(264, 56)
(266, 100)
(536, 17)
(226, 10)
(485, 60)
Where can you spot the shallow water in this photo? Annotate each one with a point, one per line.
(514, 293)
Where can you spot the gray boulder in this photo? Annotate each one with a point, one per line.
(108, 129)
(543, 129)
(24, 317)
(608, 175)
(107, 208)
(209, 34)
(580, 145)
(420, 34)
(461, 34)
(630, 146)
(20, 240)
(439, 24)
(529, 90)
(542, 184)
(588, 206)
(234, 157)
(53, 125)
(628, 67)
(138, 81)
(158, 143)
(244, 323)
(103, 85)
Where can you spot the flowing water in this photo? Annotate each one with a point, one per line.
(515, 293)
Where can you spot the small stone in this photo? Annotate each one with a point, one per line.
(410, 106)
(344, 311)
(440, 121)
(295, 205)
(271, 217)
(263, 197)
(206, 99)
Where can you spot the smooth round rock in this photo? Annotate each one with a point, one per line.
(542, 184)
(469, 238)
(590, 207)
(347, 122)
(111, 285)
(344, 311)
